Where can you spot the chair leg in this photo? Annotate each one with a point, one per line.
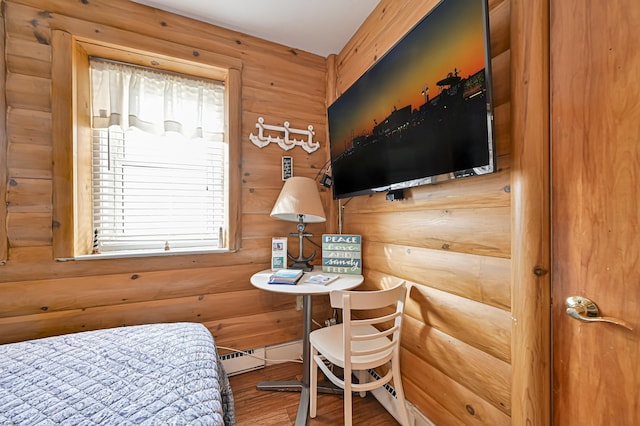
(397, 385)
(363, 375)
(313, 385)
(347, 399)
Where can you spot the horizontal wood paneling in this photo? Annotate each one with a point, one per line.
(29, 160)
(481, 326)
(29, 229)
(482, 231)
(499, 26)
(479, 278)
(28, 57)
(250, 331)
(390, 21)
(502, 134)
(486, 376)
(40, 296)
(477, 324)
(29, 196)
(37, 263)
(243, 319)
(30, 297)
(451, 241)
(190, 308)
(501, 88)
(29, 127)
(29, 92)
(447, 401)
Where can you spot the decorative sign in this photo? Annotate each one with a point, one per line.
(287, 167)
(286, 142)
(342, 254)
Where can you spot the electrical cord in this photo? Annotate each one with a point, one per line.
(321, 169)
(341, 207)
(313, 242)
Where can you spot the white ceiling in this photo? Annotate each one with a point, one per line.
(317, 26)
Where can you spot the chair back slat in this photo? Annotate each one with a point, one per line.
(369, 299)
(379, 349)
(376, 320)
(372, 336)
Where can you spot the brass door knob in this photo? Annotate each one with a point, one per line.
(585, 310)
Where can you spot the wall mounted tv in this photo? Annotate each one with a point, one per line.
(422, 113)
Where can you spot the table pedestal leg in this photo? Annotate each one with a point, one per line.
(303, 385)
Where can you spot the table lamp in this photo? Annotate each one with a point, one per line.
(299, 201)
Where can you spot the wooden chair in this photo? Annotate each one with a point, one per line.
(357, 346)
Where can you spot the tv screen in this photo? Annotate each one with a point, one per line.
(422, 112)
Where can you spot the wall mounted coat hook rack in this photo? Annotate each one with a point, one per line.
(285, 142)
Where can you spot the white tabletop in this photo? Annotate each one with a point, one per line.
(344, 282)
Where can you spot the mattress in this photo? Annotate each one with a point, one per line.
(159, 374)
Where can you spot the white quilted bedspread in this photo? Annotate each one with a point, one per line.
(159, 374)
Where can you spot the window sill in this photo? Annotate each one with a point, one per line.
(139, 253)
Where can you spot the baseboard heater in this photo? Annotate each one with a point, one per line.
(386, 396)
(256, 358)
(243, 361)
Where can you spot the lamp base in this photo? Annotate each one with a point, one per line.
(302, 264)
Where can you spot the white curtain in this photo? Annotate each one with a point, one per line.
(155, 102)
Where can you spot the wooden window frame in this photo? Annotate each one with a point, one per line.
(71, 123)
(4, 238)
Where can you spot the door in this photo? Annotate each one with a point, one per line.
(595, 146)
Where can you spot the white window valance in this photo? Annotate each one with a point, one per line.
(154, 102)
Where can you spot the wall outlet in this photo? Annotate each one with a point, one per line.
(298, 303)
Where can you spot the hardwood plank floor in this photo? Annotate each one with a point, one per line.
(266, 408)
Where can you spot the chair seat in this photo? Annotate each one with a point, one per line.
(328, 341)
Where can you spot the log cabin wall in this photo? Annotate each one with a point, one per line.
(451, 241)
(41, 297)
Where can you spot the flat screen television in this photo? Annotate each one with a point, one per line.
(423, 112)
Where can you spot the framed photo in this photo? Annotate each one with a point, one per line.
(278, 253)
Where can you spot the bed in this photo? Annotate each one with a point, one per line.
(158, 374)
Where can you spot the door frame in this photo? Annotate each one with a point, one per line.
(530, 213)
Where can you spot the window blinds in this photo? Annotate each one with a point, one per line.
(161, 185)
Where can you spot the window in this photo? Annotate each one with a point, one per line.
(158, 160)
(129, 180)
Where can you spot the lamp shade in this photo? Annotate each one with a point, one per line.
(299, 196)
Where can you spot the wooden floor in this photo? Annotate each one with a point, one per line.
(264, 408)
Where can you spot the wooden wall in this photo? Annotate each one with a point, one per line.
(41, 297)
(451, 241)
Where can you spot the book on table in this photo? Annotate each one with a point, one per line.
(286, 276)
